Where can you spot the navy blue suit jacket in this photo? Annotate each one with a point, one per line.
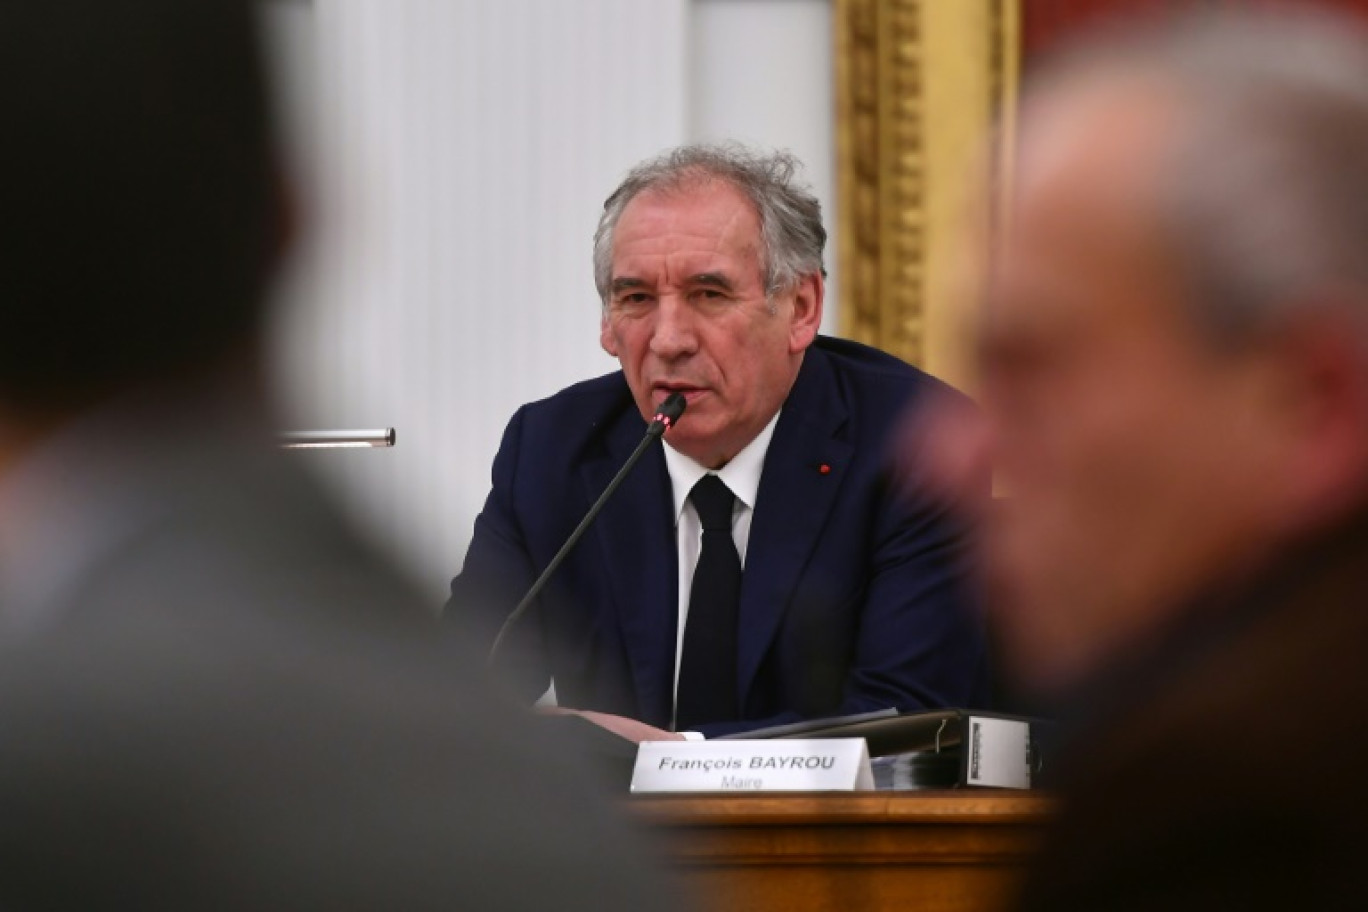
(853, 598)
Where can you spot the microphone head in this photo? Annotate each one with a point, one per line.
(668, 412)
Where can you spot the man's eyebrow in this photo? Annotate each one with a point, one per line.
(716, 279)
(624, 282)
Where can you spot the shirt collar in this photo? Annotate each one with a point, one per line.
(741, 475)
(93, 484)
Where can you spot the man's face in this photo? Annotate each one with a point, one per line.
(687, 313)
(1131, 451)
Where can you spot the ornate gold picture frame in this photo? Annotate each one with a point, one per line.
(919, 84)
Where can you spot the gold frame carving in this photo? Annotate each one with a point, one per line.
(918, 85)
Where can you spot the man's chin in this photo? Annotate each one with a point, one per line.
(694, 424)
(687, 444)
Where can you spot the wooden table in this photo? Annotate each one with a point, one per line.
(916, 851)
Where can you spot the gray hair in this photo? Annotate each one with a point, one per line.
(792, 236)
(1267, 177)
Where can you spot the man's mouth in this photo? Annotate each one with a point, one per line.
(690, 392)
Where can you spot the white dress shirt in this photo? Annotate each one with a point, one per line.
(742, 476)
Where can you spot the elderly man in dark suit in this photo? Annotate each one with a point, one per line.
(212, 695)
(826, 589)
(1175, 357)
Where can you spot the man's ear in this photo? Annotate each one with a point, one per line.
(286, 220)
(1323, 398)
(808, 296)
(606, 338)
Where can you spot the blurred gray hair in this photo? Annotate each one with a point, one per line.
(1266, 193)
(792, 236)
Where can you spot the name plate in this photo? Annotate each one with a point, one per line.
(812, 765)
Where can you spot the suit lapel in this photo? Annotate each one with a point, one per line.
(791, 508)
(635, 533)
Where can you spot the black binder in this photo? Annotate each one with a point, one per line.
(940, 748)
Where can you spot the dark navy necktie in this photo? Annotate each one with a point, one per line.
(707, 664)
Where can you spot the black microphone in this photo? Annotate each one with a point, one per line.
(667, 413)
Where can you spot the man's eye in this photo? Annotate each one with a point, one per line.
(635, 298)
(709, 294)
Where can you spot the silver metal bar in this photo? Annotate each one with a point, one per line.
(298, 440)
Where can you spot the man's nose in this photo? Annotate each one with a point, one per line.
(674, 334)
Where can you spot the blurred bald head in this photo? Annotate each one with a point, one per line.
(1263, 168)
(1175, 348)
(136, 182)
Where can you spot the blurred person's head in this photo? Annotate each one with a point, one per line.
(140, 214)
(709, 264)
(1175, 342)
